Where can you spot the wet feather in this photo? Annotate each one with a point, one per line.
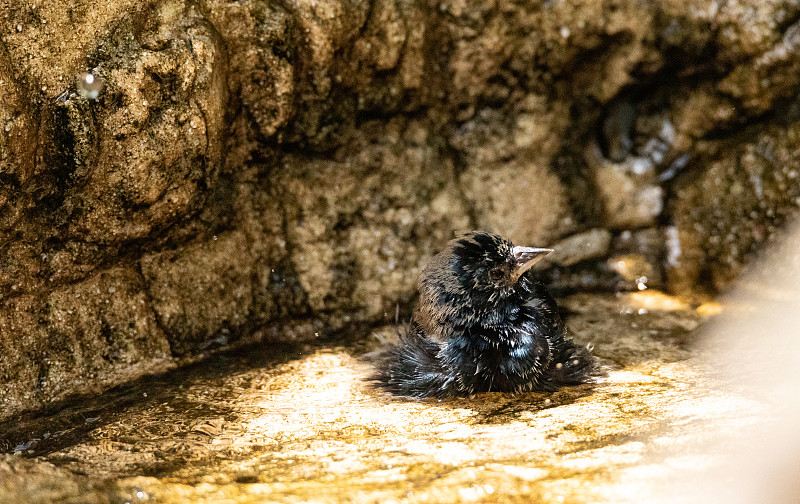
(483, 323)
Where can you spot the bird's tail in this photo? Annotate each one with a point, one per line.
(411, 367)
(572, 365)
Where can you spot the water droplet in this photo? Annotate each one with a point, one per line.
(89, 86)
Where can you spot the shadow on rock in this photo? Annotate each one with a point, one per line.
(68, 422)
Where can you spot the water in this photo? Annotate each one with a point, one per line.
(89, 85)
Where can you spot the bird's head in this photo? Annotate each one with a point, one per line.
(489, 263)
(476, 272)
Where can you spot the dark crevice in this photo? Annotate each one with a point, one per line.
(574, 173)
(362, 30)
(785, 24)
(366, 116)
(783, 112)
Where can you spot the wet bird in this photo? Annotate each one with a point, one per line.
(483, 323)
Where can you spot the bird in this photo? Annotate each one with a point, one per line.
(482, 323)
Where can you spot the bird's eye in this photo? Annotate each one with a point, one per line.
(496, 274)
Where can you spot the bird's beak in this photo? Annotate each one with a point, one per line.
(526, 257)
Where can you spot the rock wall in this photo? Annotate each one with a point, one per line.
(281, 170)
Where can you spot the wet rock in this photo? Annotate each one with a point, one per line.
(128, 165)
(332, 146)
(580, 247)
(634, 268)
(261, 43)
(629, 261)
(203, 292)
(46, 481)
(730, 211)
(17, 145)
(505, 177)
(638, 257)
(81, 337)
(256, 171)
(631, 197)
(530, 193)
(296, 421)
(158, 127)
(361, 228)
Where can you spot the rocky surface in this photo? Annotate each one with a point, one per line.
(685, 413)
(280, 171)
(293, 424)
(689, 410)
(670, 422)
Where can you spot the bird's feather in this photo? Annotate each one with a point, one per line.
(479, 327)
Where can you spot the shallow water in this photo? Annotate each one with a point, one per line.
(277, 423)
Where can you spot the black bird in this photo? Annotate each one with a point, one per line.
(482, 324)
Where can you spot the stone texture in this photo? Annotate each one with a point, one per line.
(580, 247)
(359, 227)
(262, 74)
(630, 199)
(686, 413)
(82, 337)
(202, 290)
(126, 167)
(298, 421)
(736, 206)
(504, 171)
(282, 170)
